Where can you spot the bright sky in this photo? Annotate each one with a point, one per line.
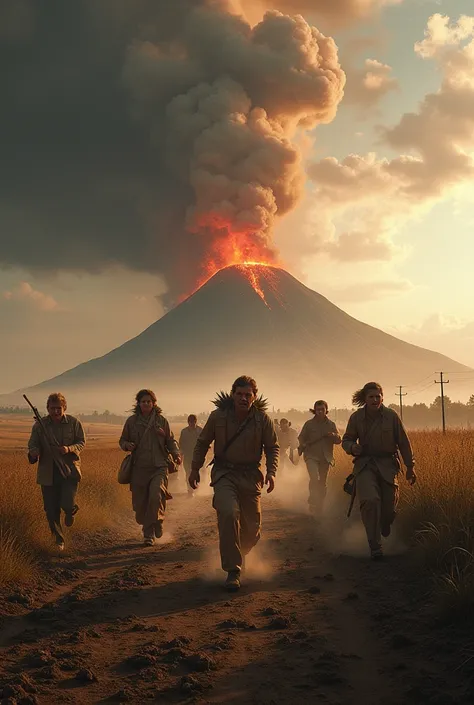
(386, 221)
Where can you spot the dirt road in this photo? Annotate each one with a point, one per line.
(134, 624)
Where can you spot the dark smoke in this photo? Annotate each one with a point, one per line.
(139, 131)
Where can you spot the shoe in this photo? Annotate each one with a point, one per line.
(159, 529)
(386, 529)
(148, 541)
(376, 554)
(69, 518)
(60, 545)
(232, 584)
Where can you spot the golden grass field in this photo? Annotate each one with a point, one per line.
(436, 517)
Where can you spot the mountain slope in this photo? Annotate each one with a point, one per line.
(255, 320)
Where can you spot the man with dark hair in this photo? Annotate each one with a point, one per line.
(241, 431)
(187, 442)
(374, 435)
(317, 439)
(63, 437)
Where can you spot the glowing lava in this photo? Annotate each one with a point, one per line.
(251, 256)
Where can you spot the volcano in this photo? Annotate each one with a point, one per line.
(248, 319)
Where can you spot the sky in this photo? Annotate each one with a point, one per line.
(366, 186)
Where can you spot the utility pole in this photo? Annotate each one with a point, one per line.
(442, 382)
(400, 396)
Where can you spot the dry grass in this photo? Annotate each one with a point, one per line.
(24, 534)
(437, 515)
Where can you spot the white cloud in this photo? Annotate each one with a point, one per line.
(363, 200)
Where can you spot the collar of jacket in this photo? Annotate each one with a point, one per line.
(380, 412)
(64, 419)
(144, 420)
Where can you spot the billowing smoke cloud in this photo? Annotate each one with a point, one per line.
(145, 132)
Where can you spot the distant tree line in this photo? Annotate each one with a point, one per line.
(416, 416)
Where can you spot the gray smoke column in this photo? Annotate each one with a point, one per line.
(158, 135)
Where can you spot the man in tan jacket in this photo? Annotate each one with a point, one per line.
(64, 440)
(317, 439)
(374, 435)
(241, 431)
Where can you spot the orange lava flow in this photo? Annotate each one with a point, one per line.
(244, 253)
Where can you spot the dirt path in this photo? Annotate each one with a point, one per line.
(135, 624)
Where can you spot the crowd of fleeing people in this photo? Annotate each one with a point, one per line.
(241, 433)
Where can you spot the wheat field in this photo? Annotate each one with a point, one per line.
(436, 517)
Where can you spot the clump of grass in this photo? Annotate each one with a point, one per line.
(24, 533)
(16, 565)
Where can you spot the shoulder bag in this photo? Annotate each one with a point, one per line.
(124, 475)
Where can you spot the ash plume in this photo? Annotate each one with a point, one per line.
(153, 134)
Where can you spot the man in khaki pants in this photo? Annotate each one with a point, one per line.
(374, 435)
(317, 439)
(241, 431)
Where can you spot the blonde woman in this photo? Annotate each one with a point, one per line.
(148, 436)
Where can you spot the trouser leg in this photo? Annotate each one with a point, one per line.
(317, 484)
(250, 518)
(187, 470)
(321, 486)
(149, 502)
(52, 507)
(68, 496)
(368, 484)
(389, 496)
(227, 505)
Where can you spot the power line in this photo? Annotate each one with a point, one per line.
(400, 396)
(417, 384)
(442, 382)
(420, 391)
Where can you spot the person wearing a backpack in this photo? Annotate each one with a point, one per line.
(242, 432)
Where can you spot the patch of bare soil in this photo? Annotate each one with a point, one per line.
(126, 623)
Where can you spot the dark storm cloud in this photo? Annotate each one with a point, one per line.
(132, 130)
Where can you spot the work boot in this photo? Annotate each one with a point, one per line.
(159, 529)
(232, 584)
(376, 554)
(69, 517)
(149, 535)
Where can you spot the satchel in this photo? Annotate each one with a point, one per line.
(124, 476)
